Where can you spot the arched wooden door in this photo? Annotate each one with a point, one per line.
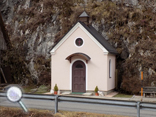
(78, 77)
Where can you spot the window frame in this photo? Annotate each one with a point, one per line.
(76, 44)
(110, 68)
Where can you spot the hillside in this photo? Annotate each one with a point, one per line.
(35, 25)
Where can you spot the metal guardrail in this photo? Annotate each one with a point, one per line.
(122, 103)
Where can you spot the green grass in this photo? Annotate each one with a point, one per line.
(123, 95)
(43, 89)
(27, 89)
(33, 89)
(76, 93)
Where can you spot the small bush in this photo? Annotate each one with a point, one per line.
(96, 89)
(55, 87)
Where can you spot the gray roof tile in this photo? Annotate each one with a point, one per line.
(99, 38)
(84, 14)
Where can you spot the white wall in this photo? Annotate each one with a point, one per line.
(96, 68)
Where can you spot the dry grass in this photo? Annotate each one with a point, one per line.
(16, 112)
(84, 114)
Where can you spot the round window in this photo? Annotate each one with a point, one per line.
(79, 41)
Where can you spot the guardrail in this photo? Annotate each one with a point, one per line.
(57, 98)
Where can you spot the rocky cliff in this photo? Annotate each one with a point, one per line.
(129, 25)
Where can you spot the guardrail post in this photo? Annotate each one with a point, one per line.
(56, 104)
(138, 109)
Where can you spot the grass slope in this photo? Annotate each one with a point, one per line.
(16, 112)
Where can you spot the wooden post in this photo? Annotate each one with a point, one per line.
(141, 83)
(141, 91)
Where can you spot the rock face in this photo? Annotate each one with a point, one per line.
(127, 2)
(36, 42)
(129, 25)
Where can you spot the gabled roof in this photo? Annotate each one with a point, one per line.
(4, 32)
(99, 39)
(84, 14)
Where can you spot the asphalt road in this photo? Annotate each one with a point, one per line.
(79, 107)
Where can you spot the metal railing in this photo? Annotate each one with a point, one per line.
(122, 103)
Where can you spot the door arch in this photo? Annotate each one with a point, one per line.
(78, 77)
